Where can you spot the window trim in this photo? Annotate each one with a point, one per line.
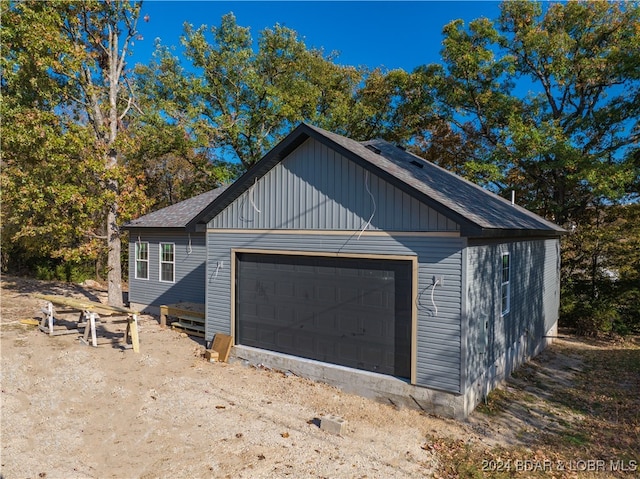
(162, 262)
(138, 260)
(505, 309)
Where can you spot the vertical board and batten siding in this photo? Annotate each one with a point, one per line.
(535, 300)
(317, 188)
(190, 256)
(438, 340)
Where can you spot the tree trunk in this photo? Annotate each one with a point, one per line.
(114, 276)
(113, 230)
(114, 246)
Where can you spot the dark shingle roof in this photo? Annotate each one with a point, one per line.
(479, 212)
(474, 203)
(178, 215)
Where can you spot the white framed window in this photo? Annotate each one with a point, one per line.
(142, 260)
(167, 262)
(505, 286)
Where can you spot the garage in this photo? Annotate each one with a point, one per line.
(350, 311)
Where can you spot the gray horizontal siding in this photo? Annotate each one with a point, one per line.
(535, 294)
(438, 336)
(189, 285)
(316, 188)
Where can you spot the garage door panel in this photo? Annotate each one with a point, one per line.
(248, 332)
(286, 340)
(326, 293)
(326, 348)
(266, 336)
(346, 294)
(326, 317)
(250, 309)
(348, 325)
(285, 289)
(376, 299)
(347, 272)
(304, 342)
(266, 311)
(375, 327)
(345, 311)
(327, 269)
(373, 356)
(347, 352)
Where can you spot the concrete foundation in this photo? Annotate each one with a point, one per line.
(383, 388)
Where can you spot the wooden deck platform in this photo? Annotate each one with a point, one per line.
(190, 321)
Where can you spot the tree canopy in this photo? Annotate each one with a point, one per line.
(544, 102)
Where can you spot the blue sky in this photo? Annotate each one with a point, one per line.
(376, 34)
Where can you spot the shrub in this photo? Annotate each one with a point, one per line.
(70, 272)
(611, 307)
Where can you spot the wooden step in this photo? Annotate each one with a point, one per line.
(195, 327)
(191, 329)
(189, 319)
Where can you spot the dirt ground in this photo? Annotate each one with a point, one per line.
(73, 411)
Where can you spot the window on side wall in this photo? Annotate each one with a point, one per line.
(505, 287)
(167, 262)
(142, 260)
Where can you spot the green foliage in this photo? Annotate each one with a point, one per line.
(601, 268)
(168, 165)
(68, 271)
(58, 176)
(47, 175)
(590, 316)
(563, 145)
(239, 101)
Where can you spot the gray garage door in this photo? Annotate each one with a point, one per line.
(347, 311)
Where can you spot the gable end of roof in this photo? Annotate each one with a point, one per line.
(479, 212)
